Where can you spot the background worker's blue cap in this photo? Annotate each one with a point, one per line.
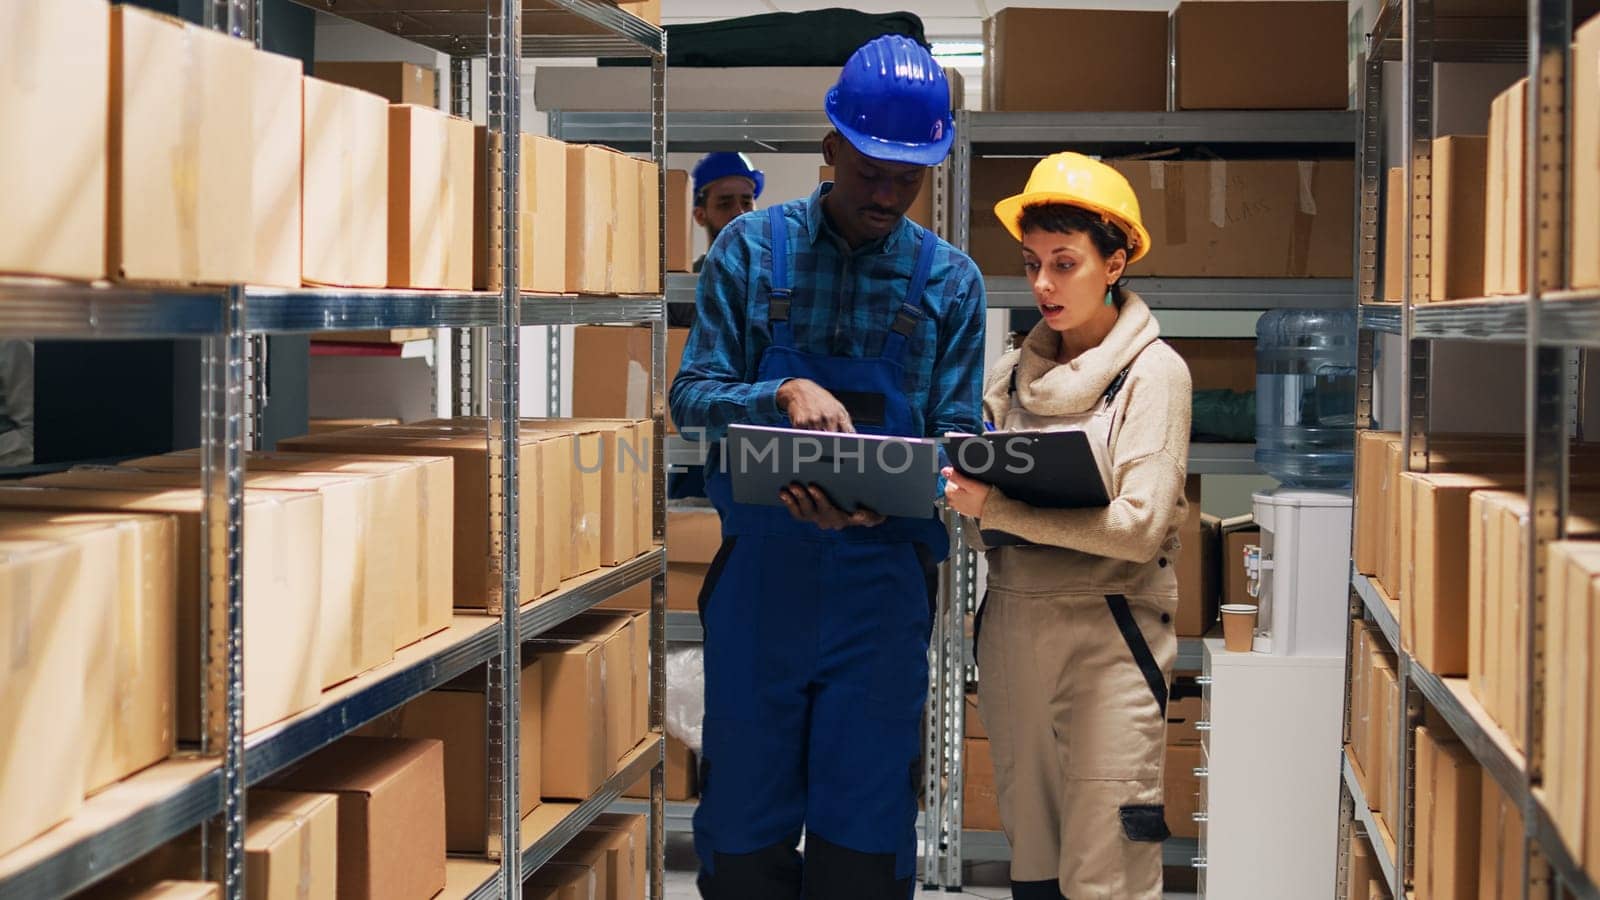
(725, 165)
(892, 103)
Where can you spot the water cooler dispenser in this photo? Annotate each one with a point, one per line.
(1300, 572)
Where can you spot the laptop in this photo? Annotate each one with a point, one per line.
(892, 476)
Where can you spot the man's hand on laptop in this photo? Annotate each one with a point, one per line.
(810, 406)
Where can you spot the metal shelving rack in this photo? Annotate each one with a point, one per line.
(205, 786)
(1551, 321)
(997, 133)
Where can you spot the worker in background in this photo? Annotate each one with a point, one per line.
(830, 313)
(1075, 638)
(726, 186)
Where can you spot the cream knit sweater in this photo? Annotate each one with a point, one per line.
(1130, 546)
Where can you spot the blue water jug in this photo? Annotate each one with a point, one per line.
(1306, 396)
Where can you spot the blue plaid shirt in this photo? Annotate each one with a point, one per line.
(844, 304)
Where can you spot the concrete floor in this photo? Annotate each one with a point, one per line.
(984, 881)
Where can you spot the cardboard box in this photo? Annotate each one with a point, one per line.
(396, 82)
(1360, 702)
(1396, 236)
(1498, 598)
(1198, 588)
(1245, 219)
(622, 458)
(1500, 845)
(1260, 55)
(619, 682)
(1504, 268)
(596, 853)
(430, 199)
(1218, 364)
(1460, 166)
(1363, 870)
(591, 219)
(55, 63)
(974, 720)
(180, 179)
(989, 244)
(1371, 503)
(1114, 60)
(1584, 229)
(574, 756)
(282, 593)
(42, 653)
(1447, 824)
(611, 371)
(1434, 530)
(475, 582)
(682, 779)
(1378, 756)
(694, 535)
(980, 801)
(629, 835)
(680, 222)
(355, 630)
(130, 633)
(1570, 667)
(291, 846)
(1237, 534)
(541, 214)
(278, 120)
(391, 813)
(345, 196)
(627, 247)
(411, 496)
(1183, 789)
(456, 716)
(1181, 718)
(562, 881)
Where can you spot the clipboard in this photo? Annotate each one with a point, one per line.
(892, 476)
(1045, 469)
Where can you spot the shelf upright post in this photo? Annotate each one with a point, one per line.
(1370, 167)
(505, 92)
(1544, 228)
(658, 487)
(457, 349)
(222, 574)
(936, 771)
(1417, 56)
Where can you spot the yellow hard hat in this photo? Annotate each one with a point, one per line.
(1075, 179)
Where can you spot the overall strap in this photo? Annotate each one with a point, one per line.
(1116, 386)
(778, 297)
(910, 313)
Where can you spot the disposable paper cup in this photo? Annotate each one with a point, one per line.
(1239, 626)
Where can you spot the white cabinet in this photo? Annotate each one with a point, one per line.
(1269, 786)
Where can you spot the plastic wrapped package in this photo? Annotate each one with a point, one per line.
(686, 693)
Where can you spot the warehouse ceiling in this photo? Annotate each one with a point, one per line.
(942, 19)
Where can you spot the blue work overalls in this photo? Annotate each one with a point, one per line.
(816, 649)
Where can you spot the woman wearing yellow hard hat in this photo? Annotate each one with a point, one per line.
(1075, 639)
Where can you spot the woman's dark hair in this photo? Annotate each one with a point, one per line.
(1064, 218)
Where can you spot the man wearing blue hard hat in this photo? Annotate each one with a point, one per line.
(831, 313)
(726, 186)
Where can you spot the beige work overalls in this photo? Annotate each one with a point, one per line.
(1072, 688)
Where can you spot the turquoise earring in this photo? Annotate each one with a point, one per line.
(1109, 301)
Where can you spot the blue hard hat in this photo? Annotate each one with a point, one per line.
(892, 103)
(715, 166)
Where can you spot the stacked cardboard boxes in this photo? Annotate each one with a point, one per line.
(611, 371)
(1460, 222)
(1184, 753)
(1374, 720)
(1448, 798)
(1363, 878)
(1505, 267)
(391, 814)
(1572, 748)
(541, 216)
(431, 165)
(1198, 586)
(291, 846)
(456, 715)
(595, 697)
